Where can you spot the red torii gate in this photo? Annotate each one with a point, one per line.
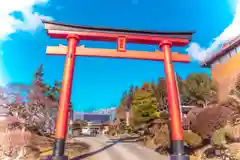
(165, 40)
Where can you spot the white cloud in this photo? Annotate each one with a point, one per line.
(31, 20)
(233, 30)
(10, 24)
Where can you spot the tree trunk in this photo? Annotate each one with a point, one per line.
(127, 118)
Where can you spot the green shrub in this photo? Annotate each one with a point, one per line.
(161, 137)
(219, 138)
(192, 139)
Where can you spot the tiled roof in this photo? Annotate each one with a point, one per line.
(96, 118)
(50, 25)
(225, 48)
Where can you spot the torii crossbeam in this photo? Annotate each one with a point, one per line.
(113, 53)
(165, 40)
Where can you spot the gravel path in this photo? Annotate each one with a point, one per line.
(105, 149)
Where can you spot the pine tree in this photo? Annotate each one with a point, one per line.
(160, 92)
(199, 90)
(39, 88)
(38, 77)
(129, 98)
(54, 91)
(144, 106)
(124, 99)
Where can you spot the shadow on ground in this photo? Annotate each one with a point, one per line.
(112, 141)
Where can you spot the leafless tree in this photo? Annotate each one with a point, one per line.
(32, 108)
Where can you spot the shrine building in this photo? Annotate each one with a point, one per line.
(225, 66)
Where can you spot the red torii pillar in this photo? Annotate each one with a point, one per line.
(165, 41)
(62, 117)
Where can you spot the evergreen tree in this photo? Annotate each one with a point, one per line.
(39, 89)
(147, 87)
(181, 87)
(124, 99)
(38, 79)
(160, 92)
(199, 90)
(120, 113)
(144, 106)
(54, 91)
(129, 98)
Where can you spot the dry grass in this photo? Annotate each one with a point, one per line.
(72, 148)
(15, 143)
(19, 144)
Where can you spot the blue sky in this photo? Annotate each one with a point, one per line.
(98, 82)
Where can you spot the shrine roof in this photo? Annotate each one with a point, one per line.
(225, 48)
(49, 25)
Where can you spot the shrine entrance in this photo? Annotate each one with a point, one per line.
(165, 40)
